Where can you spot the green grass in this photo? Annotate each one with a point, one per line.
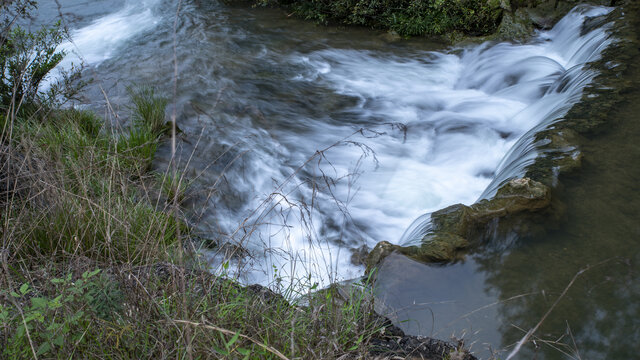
(95, 315)
(149, 109)
(85, 195)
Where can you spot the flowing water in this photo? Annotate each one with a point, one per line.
(305, 143)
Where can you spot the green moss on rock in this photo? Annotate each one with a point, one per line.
(452, 227)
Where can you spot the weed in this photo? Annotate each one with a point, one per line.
(45, 325)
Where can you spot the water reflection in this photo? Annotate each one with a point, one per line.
(511, 281)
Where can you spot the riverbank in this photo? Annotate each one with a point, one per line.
(453, 21)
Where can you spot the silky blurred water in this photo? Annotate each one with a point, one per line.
(307, 142)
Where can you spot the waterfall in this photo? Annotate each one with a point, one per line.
(548, 78)
(316, 147)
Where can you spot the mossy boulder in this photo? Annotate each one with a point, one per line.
(452, 227)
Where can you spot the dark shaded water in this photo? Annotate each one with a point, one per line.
(259, 94)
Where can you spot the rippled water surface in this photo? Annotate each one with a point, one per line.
(305, 143)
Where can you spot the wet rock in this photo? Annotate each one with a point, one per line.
(454, 225)
(381, 251)
(391, 36)
(416, 347)
(560, 154)
(359, 255)
(453, 219)
(514, 26)
(521, 18)
(438, 248)
(515, 196)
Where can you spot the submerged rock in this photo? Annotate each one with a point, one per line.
(453, 226)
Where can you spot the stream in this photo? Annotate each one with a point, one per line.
(305, 144)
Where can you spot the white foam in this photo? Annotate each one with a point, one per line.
(461, 116)
(100, 40)
(463, 113)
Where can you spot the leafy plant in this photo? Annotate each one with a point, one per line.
(44, 324)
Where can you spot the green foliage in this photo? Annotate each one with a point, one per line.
(126, 233)
(234, 322)
(47, 325)
(173, 186)
(25, 59)
(93, 208)
(149, 109)
(69, 135)
(138, 147)
(407, 17)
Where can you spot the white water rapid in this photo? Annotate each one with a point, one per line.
(405, 134)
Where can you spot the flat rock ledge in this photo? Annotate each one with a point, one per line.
(452, 227)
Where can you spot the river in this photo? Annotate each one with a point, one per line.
(306, 143)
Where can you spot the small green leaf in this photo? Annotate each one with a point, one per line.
(244, 352)
(24, 289)
(43, 348)
(39, 303)
(222, 352)
(94, 273)
(20, 331)
(55, 303)
(77, 316)
(58, 341)
(15, 294)
(53, 326)
(233, 340)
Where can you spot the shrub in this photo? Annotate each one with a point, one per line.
(44, 325)
(407, 17)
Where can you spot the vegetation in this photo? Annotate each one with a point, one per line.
(95, 265)
(123, 314)
(406, 17)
